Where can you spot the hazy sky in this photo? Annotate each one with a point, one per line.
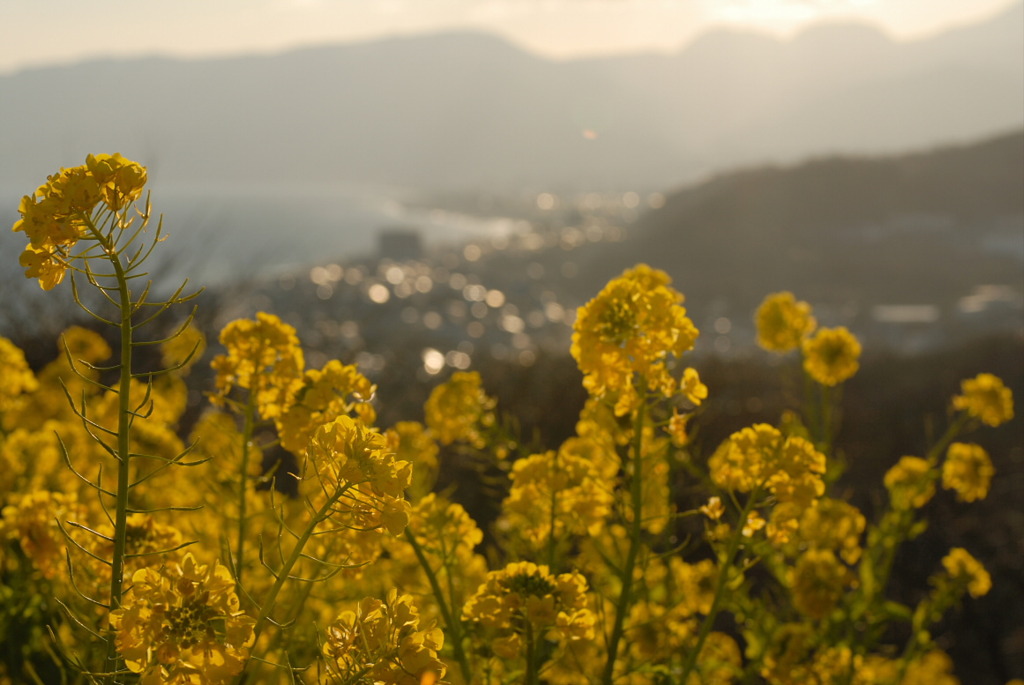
(36, 32)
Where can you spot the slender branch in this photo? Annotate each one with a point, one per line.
(626, 594)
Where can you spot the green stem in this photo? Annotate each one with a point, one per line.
(551, 530)
(720, 585)
(284, 572)
(124, 423)
(532, 671)
(626, 594)
(243, 485)
(453, 627)
(827, 405)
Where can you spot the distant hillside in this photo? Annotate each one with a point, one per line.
(463, 110)
(845, 232)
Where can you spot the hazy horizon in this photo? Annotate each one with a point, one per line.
(556, 29)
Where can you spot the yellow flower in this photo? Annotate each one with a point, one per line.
(381, 642)
(184, 349)
(59, 213)
(833, 524)
(831, 356)
(458, 409)
(84, 345)
(676, 428)
(691, 387)
(632, 327)
(932, 668)
(963, 567)
(695, 583)
(31, 520)
(910, 483)
(761, 456)
(754, 523)
(44, 265)
(555, 493)
(713, 509)
(121, 181)
(181, 623)
(16, 374)
(986, 398)
(818, 581)
(968, 470)
(411, 442)
(782, 322)
(524, 592)
(351, 461)
(263, 357)
(321, 397)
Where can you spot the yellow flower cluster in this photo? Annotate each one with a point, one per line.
(760, 456)
(835, 525)
(184, 349)
(556, 494)
(411, 442)
(353, 464)
(381, 642)
(263, 357)
(831, 355)
(632, 328)
(910, 483)
(31, 520)
(986, 398)
(59, 214)
(335, 390)
(968, 470)
(818, 581)
(17, 376)
(459, 409)
(782, 322)
(964, 568)
(524, 593)
(181, 624)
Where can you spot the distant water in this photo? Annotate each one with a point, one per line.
(244, 232)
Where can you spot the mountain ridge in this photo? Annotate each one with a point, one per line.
(464, 110)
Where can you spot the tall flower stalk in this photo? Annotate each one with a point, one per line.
(87, 221)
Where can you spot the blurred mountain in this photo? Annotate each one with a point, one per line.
(464, 110)
(940, 231)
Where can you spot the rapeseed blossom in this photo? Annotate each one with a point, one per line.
(381, 642)
(17, 376)
(911, 483)
(968, 470)
(458, 409)
(60, 212)
(632, 328)
(831, 355)
(783, 322)
(353, 465)
(181, 624)
(321, 396)
(263, 357)
(184, 349)
(760, 456)
(834, 525)
(931, 668)
(554, 494)
(818, 581)
(525, 593)
(986, 398)
(31, 521)
(411, 442)
(964, 568)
